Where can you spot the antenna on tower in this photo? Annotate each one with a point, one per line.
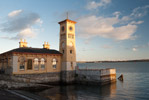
(67, 15)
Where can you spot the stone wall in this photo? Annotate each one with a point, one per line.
(51, 78)
(80, 76)
(68, 77)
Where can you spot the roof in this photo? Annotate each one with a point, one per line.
(34, 50)
(68, 21)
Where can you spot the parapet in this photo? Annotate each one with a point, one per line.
(46, 45)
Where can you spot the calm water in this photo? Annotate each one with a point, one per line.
(134, 87)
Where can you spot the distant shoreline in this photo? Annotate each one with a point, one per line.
(144, 60)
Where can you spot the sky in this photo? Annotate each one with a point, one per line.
(105, 29)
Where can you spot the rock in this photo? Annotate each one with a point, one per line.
(120, 77)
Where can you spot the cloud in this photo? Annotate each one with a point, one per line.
(140, 11)
(137, 13)
(20, 23)
(106, 46)
(115, 27)
(134, 49)
(14, 13)
(94, 5)
(91, 26)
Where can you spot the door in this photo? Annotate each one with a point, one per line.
(29, 64)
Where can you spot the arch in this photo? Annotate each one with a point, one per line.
(42, 63)
(36, 64)
(54, 63)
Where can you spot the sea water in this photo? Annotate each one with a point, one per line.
(134, 87)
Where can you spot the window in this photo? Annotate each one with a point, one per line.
(29, 64)
(63, 28)
(22, 63)
(42, 63)
(70, 51)
(70, 28)
(54, 63)
(36, 64)
(71, 36)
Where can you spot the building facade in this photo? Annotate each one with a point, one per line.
(27, 60)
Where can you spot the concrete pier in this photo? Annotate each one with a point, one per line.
(95, 76)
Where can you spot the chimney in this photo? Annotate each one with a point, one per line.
(22, 44)
(46, 45)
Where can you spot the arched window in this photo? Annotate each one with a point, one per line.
(42, 62)
(36, 64)
(22, 63)
(54, 63)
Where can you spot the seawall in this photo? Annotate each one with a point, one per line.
(80, 76)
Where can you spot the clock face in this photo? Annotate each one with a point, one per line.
(63, 45)
(70, 28)
(63, 28)
(70, 44)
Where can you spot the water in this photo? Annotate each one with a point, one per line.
(134, 87)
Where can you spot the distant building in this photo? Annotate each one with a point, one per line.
(27, 60)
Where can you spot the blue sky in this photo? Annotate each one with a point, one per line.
(105, 29)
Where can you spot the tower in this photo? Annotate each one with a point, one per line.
(68, 49)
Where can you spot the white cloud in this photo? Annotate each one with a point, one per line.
(27, 33)
(137, 13)
(91, 26)
(94, 5)
(117, 13)
(21, 24)
(134, 22)
(117, 28)
(140, 11)
(14, 13)
(134, 49)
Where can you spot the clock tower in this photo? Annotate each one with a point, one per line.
(68, 49)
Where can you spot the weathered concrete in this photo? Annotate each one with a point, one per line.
(95, 76)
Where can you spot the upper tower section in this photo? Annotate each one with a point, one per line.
(67, 26)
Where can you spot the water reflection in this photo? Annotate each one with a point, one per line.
(80, 92)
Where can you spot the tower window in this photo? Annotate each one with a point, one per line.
(63, 51)
(70, 28)
(63, 28)
(70, 36)
(70, 51)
